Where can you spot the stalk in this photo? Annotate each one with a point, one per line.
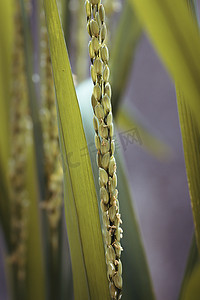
(104, 130)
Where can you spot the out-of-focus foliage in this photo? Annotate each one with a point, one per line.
(6, 37)
(124, 44)
(176, 38)
(192, 262)
(127, 119)
(192, 288)
(191, 138)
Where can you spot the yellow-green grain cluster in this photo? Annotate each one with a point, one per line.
(53, 168)
(103, 126)
(20, 132)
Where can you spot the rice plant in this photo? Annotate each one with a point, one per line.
(65, 196)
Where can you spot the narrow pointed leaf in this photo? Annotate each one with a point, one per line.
(175, 35)
(192, 289)
(82, 218)
(190, 134)
(6, 38)
(191, 146)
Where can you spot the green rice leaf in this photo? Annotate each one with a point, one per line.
(192, 289)
(6, 40)
(190, 134)
(6, 37)
(191, 146)
(175, 35)
(82, 218)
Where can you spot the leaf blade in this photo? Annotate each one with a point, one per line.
(192, 289)
(81, 183)
(6, 38)
(191, 138)
(177, 42)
